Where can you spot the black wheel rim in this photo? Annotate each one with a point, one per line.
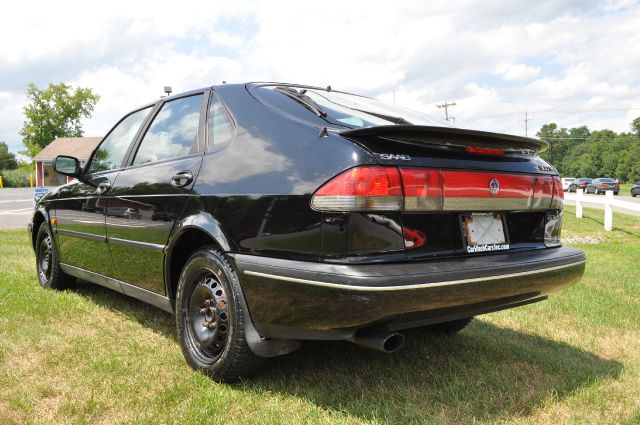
(44, 259)
(207, 314)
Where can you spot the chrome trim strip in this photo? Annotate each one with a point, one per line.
(81, 235)
(416, 286)
(128, 289)
(144, 245)
(92, 277)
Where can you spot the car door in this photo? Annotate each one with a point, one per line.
(81, 206)
(149, 194)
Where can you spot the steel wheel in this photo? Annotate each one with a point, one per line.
(50, 275)
(208, 318)
(45, 260)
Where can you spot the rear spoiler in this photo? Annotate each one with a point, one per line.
(447, 136)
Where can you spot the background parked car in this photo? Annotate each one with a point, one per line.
(566, 182)
(601, 185)
(635, 189)
(580, 183)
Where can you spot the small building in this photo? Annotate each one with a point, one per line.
(80, 147)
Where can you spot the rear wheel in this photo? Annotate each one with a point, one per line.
(449, 328)
(50, 274)
(210, 318)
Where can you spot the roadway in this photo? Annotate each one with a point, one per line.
(16, 207)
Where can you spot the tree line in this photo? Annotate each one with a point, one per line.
(579, 152)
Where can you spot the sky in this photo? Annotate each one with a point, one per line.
(573, 62)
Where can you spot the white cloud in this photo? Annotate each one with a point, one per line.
(518, 72)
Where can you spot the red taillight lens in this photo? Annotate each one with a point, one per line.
(484, 151)
(422, 189)
(361, 189)
(374, 188)
(558, 194)
(603, 185)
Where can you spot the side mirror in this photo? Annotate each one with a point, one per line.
(67, 165)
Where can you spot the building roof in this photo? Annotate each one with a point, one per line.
(80, 147)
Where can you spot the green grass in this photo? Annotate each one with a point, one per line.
(87, 355)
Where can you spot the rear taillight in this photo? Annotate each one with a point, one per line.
(557, 202)
(603, 185)
(361, 189)
(422, 189)
(374, 188)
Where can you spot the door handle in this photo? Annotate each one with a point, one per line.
(103, 187)
(182, 179)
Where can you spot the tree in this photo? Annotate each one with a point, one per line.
(635, 126)
(55, 111)
(7, 159)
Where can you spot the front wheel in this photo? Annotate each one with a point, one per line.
(50, 274)
(210, 318)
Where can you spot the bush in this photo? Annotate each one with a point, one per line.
(15, 178)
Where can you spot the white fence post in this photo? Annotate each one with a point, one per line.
(579, 203)
(608, 211)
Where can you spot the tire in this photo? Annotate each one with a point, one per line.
(449, 328)
(633, 194)
(50, 274)
(210, 318)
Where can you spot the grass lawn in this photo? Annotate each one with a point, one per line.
(87, 355)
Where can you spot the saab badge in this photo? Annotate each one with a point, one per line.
(494, 186)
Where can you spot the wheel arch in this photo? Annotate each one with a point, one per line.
(191, 233)
(39, 217)
(201, 230)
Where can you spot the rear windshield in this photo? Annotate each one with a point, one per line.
(607, 180)
(356, 111)
(585, 180)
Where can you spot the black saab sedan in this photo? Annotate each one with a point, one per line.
(263, 214)
(601, 185)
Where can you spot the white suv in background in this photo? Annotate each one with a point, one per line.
(566, 181)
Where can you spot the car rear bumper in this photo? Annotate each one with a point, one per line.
(305, 300)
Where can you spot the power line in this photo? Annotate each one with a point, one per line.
(446, 106)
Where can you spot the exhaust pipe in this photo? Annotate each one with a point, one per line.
(379, 339)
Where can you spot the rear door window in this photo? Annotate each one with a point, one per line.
(173, 132)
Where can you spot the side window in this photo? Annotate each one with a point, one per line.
(219, 128)
(111, 151)
(173, 132)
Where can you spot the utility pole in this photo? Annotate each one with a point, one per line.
(446, 106)
(526, 124)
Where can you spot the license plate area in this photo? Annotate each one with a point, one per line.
(484, 232)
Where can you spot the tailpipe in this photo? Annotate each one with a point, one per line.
(379, 339)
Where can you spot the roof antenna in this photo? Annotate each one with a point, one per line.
(167, 90)
(328, 88)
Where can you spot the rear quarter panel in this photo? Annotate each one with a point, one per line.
(259, 187)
